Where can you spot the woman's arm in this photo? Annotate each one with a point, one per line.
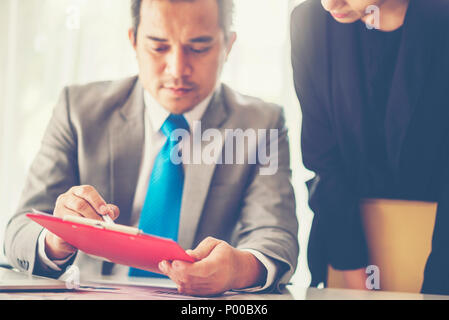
(333, 197)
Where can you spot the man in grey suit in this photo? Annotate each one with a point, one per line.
(102, 146)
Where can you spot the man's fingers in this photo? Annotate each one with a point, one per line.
(204, 248)
(200, 269)
(179, 274)
(114, 211)
(82, 207)
(83, 201)
(91, 195)
(69, 204)
(211, 274)
(186, 272)
(197, 279)
(166, 268)
(87, 202)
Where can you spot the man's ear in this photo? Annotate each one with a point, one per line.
(230, 43)
(132, 37)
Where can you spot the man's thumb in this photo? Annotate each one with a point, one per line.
(203, 249)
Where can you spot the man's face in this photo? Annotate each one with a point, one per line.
(349, 11)
(181, 50)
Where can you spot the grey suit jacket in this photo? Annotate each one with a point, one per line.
(95, 137)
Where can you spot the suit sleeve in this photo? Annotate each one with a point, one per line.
(436, 275)
(333, 197)
(268, 221)
(53, 172)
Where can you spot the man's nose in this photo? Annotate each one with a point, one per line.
(331, 5)
(178, 64)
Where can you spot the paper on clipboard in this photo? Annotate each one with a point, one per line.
(116, 243)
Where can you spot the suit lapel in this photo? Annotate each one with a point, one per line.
(126, 134)
(348, 94)
(408, 79)
(198, 176)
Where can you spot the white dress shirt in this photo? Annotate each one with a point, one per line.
(155, 116)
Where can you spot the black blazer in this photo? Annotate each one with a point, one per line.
(328, 83)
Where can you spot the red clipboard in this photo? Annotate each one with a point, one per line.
(113, 242)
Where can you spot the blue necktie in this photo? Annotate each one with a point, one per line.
(161, 210)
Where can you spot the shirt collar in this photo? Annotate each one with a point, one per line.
(158, 114)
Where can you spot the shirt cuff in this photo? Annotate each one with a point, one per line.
(52, 264)
(271, 271)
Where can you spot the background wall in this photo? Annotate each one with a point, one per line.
(47, 44)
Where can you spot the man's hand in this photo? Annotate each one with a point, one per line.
(82, 201)
(219, 268)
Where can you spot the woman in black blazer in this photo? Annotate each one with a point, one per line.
(375, 122)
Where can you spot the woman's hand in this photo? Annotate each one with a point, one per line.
(355, 279)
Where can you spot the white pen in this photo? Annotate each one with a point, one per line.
(110, 225)
(107, 219)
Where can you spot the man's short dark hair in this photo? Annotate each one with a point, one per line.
(225, 10)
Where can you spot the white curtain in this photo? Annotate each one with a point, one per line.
(47, 44)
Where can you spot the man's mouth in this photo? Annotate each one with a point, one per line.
(179, 91)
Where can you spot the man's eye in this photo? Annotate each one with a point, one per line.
(200, 50)
(160, 49)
